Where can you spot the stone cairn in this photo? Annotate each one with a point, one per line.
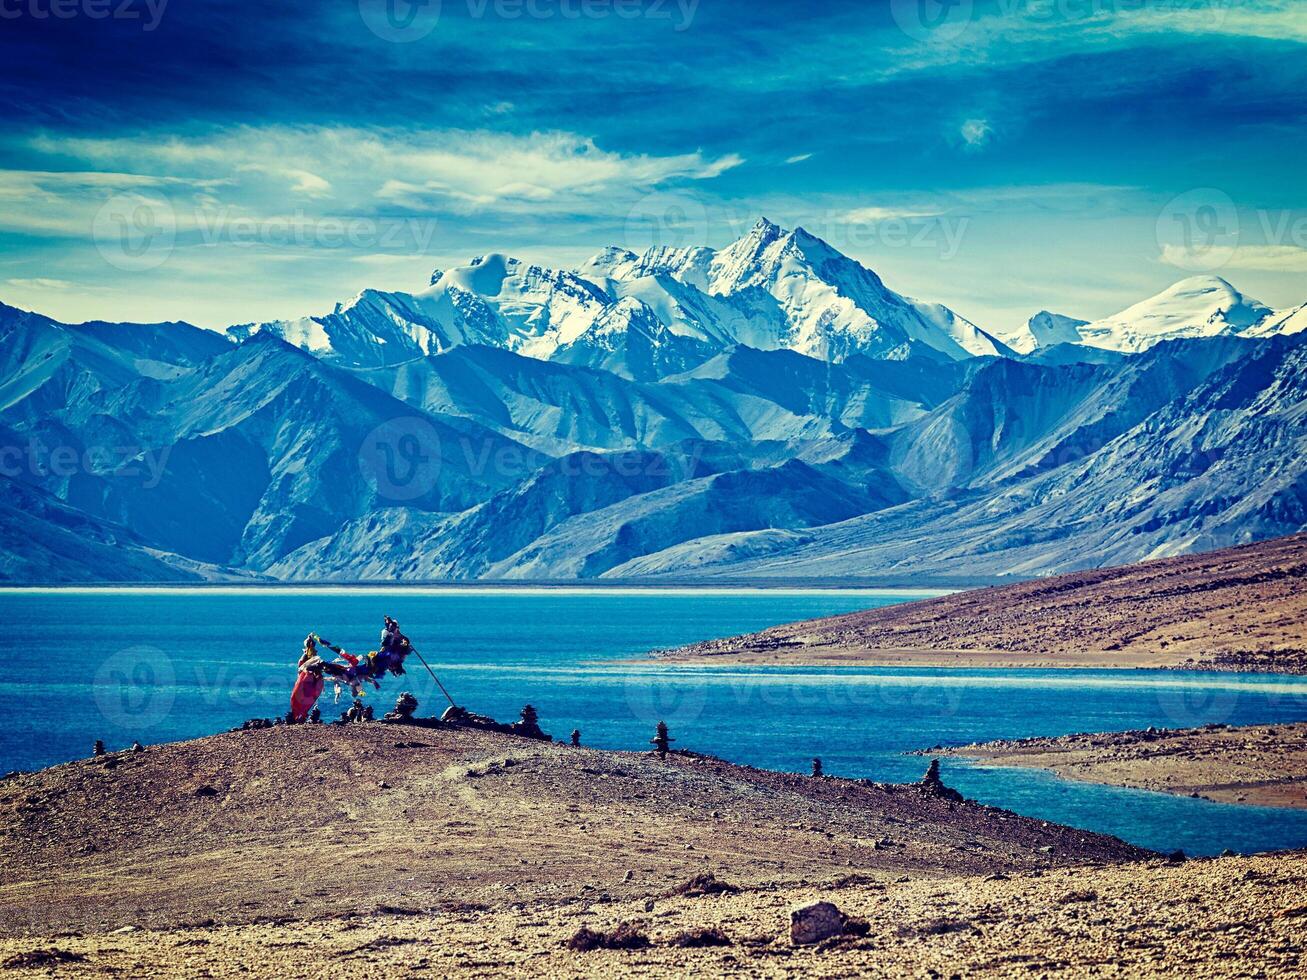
(932, 785)
(816, 769)
(357, 712)
(661, 741)
(406, 705)
(576, 738)
(528, 724)
(99, 747)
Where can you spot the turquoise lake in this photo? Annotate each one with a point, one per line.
(161, 665)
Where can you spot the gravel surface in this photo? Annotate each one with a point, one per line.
(381, 850)
(1220, 918)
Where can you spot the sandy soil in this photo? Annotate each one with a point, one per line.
(1225, 917)
(310, 821)
(384, 850)
(1238, 609)
(1265, 765)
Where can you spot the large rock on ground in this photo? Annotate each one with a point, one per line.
(812, 923)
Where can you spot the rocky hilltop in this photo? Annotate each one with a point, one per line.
(373, 848)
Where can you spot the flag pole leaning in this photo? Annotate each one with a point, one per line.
(434, 677)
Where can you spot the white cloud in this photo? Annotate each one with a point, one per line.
(302, 181)
(871, 215)
(1015, 32)
(976, 132)
(40, 283)
(1263, 258)
(798, 158)
(467, 169)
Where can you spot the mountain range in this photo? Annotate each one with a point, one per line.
(770, 410)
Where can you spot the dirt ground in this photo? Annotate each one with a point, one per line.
(1239, 609)
(1218, 918)
(324, 820)
(1265, 765)
(374, 849)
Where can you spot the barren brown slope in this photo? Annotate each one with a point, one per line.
(311, 822)
(1238, 609)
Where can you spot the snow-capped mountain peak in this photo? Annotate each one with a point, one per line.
(1200, 306)
(1044, 329)
(770, 289)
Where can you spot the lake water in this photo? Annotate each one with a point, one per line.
(161, 665)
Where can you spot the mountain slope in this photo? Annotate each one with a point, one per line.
(1222, 464)
(1208, 610)
(802, 418)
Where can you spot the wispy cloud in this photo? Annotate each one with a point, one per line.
(1262, 258)
(426, 170)
(976, 133)
(870, 215)
(40, 283)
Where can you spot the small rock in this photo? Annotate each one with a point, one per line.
(813, 923)
(138, 747)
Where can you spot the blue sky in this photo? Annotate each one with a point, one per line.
(223, 162)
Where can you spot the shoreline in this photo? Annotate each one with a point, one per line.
(1249, 765)
(470, 588)
(970, 660)
(926, 658)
